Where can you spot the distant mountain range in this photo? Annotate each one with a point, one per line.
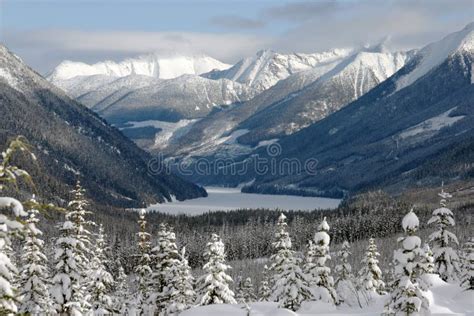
(72, 142)
(369, 116)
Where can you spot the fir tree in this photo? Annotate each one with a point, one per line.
(214, 284)
(407, 297)
(164, 256)
(248, 291)
(143, 270)
(34, 279)
(290, 287)
(345, 287)
(239, 294)
(370, 274)
(245, 292)
(71, 258)
(122, 293)
(467, 278)
(264, 291)
(180, 289)
(446, 260)
(320, 279)
(9, 174)
(102, 281)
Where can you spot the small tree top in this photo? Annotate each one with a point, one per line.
(410, 222)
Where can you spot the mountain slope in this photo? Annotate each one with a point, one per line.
(71, 142)
(266, 68)
(291, 104)
(396, 133)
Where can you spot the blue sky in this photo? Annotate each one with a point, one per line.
(44, 33)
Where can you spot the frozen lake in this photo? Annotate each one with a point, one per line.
(228, 199)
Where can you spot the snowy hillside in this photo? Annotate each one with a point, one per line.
(290, 105)
(434, 54)
(153, 65)
(266, 68)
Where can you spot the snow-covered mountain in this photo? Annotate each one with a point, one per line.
(266, 68)
(153, 65)
(414, 129)
(292, 104)
(72, 142)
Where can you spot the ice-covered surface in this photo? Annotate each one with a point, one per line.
(445, 299)
(153, 65)
(228, 199)
(435, 53)
(431, 126)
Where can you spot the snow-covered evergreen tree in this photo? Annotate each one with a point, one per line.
(164, 256)
(245, 293)
(467, 277)
(290, 285)
(122, 292)
(239, 294)
(71, 258)
(407, 297)
(180, 289)
(34, 279)
(446, 260)
(345, 282)
(213, 286)
(319, 274)
(264, 290)
(143, 270)
(428, 260)
(102, 282)
(9, 174)
(370, 275)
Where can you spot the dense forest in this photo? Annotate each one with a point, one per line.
(82, 259)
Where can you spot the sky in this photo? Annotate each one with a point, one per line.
(44, 33)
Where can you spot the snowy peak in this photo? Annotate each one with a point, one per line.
(435, 53)
(266, 68)
(150, 65)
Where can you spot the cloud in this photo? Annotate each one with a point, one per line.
(302, 11)
(44, 49)
(234, 22)
(305, 26)
(329, 24)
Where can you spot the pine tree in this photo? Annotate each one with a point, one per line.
(122, 292)
(264, 291)
(320, 279)
(71, 257)
(345, 285)
(239, 294)
(180, 289)
(143, 270)
(446, 260)
(248, 291)
(214, 284)
(370, 274)
(164, 256)
(290, 286)
(102, 281)
(428, 260)
(34, 279)
(467, 278)
(245, 292)
(9, 174)
(407, 297)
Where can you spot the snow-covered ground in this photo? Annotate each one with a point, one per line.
(228, 199)
(445, 299)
